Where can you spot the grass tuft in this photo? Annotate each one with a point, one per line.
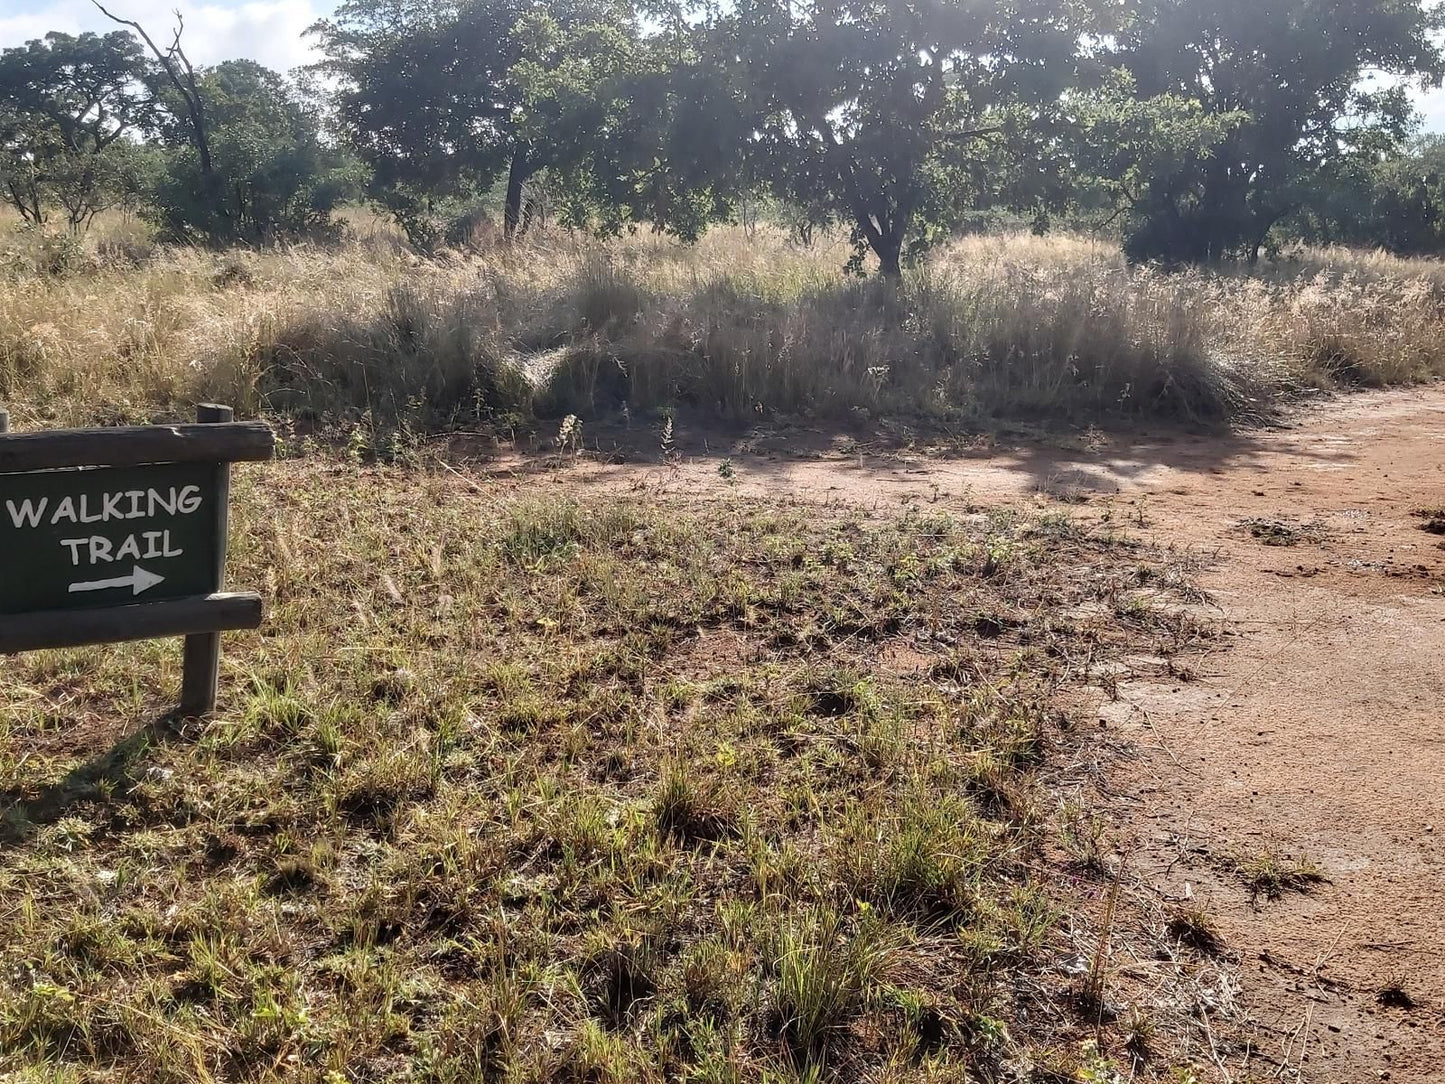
(1394, 995)
(1270, 874)
(1192, 925)
(827, 971)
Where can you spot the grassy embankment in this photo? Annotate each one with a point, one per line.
(737, 327)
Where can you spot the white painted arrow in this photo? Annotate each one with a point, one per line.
(139, 580)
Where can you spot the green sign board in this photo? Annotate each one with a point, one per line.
(108, 536)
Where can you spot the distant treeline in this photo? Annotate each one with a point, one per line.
(1196, 130)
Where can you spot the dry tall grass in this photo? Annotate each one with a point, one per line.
(739, 325)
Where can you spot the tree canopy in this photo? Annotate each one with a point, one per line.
(274, 176)
(874, 110)
(1284, 92)
(68, 109)
(440, 100)
(1199, 129)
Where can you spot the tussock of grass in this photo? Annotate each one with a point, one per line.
(927, 857)
(555, 789)
(429, 353)
(955, 338)
(1270, 874)
(741, 325)
(827, 971)
(1192, 925)
(1394, 995)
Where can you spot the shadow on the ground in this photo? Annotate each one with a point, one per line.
(1062, 463)
(101, 778)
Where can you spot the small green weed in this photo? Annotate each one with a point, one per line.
(1269, 873)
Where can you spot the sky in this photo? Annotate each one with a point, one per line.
(268, 31)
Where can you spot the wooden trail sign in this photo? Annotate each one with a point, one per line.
(120, 534)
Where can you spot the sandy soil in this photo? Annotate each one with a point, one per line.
(1319, 734)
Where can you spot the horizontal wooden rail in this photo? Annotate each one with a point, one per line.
(134, 445)
(147, 621)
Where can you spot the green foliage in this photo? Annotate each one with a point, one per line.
(826, 973)
(422, 98)
(1131, 151)
(668, 147)
(442, 103)
(1208, 130)
(883, 113)
(1282, 98)
(1395, 202)
(276, 178)
(69, 107)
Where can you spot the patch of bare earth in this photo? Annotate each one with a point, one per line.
(1313, 748)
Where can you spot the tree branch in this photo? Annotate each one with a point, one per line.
(972, 133)
(190, 93)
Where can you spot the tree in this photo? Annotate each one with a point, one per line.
(1393, 200)
(1292, 76)
(662, 138)
(441, 99)
(178, 74)
(1128, 154)
(68, 108)
(416, 98)
(882, 109)
(272, 175)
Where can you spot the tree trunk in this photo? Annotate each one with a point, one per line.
(889, 250)
(26, 202)
(516, 177)
(1264, 222)
(884, 232)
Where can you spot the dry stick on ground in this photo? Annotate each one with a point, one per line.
(1213, 1048)
(1162, 743)
(1146, 896)
(1324, 957)
(1303, 1033)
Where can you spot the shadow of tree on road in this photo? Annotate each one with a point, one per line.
(1063, 464)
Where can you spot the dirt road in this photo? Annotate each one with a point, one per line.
(1320, 734)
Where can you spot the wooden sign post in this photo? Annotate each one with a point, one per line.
(120, 534)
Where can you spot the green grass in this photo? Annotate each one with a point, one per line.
(563, 788)
(1270, 874)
